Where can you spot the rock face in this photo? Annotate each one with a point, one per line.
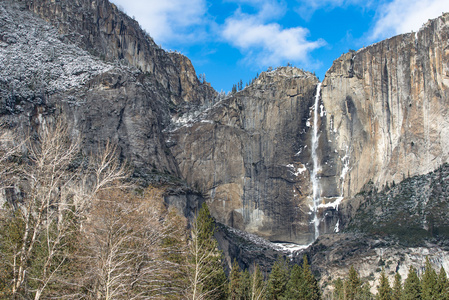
(386, 107)
(99, 27)
(250, 155)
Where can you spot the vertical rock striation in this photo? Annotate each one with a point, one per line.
(250, 155)
(387, 108)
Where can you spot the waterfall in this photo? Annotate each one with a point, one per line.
(316, 164)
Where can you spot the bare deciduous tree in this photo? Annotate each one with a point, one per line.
(125, 251)
(55, 190)
(78, 230)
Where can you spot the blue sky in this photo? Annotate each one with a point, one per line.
(229, 40)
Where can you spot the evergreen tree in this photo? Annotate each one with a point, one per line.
(295, 284)
(11, 233)
(397, 287)
(412, 287)
(309, 290)
(245, 286)
(277, 281)
(384, 291)
(442, 288)
(206, 274)
(352, 285)
(365, 293)
(174, 251)
(235, 283)
(428, 282)
(339, 290)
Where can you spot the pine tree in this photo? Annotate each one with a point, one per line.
(442, 288)
(277, 281)
(365, 293)
(295, 283)
(339, 290)
(397, 287)
(206, 274)
(412, 287)
(309, 290)
(384, 291)
(245, 286)
(353, 285)
(11, 232)
(235, 281)
(428, 282)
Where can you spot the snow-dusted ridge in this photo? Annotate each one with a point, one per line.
(35, 59)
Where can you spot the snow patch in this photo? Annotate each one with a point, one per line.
(35, 61)
(337, 226)
(333, 204)
(322, 111)
(291, 247)
(296, 171)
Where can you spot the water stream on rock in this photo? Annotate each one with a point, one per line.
(316, 196)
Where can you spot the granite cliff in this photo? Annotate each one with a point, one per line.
(386, 106)
(247, 155)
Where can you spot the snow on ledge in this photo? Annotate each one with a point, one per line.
(333, 204)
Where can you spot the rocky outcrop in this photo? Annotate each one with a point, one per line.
(50, 73)
(249, 154)
(386, 108)
(333, 254)
(44, 78)
(103, 30)
(411, 212)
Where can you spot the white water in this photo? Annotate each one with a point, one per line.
(316, 165)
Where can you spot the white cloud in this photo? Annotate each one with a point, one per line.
(167, 21)
(268, 44)
(401, 16)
